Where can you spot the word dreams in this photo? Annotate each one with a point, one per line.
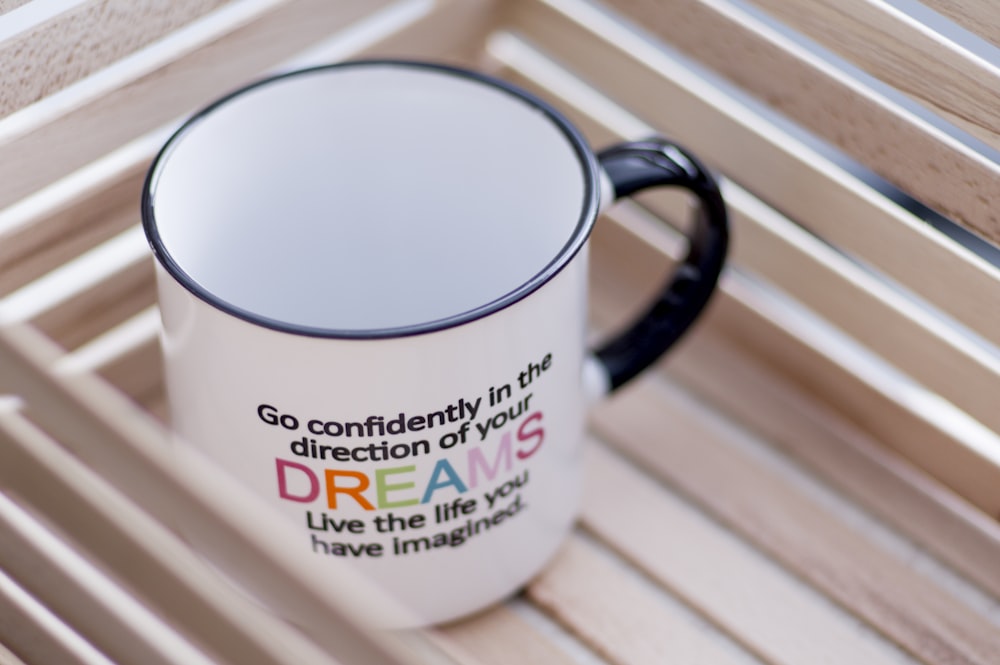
(394, 487)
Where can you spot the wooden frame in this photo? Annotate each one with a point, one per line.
(814, 471)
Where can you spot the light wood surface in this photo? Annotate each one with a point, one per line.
(844, 456)
(770, 246)
(750, 318)
(800, 533)
(976, 16)
(162, 87)
(498, 637)
(635, 628)
(806, 186)
(759, 605)
(62, 48)
(8, 5)
(34, 632)
(774, 492)
(867, 126)
(942, 75)
(97, 427)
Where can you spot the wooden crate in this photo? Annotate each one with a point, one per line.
(812, 476)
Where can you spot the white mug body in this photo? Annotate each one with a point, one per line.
(373, 284)
(445, 466)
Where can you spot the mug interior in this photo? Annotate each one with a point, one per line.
(370, 199)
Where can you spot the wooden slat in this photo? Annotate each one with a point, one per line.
(100, 307)
(628, 257)
(497, 637)
(617, 616)
(107, 617)
(886, 42)
(976, 16)
(887, 485)
(82, 40)
(221, 56)
(940, 440)
(804, 185)
(945, 455)
(66, 219)
(30, 630)
(701, 459)
(772, 246)
(136, 365)
(176, 485)
(761, 606)
(171, 83)
(903, 149)
(44, 232)
(8, 5)
(157, 566)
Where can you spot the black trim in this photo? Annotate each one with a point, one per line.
(588, 213)
(654, 163)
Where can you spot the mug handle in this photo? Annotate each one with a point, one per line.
(637, 165)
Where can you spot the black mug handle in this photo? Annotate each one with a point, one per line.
(654, 162)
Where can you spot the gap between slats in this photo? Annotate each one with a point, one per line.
(30, 630)
(907, 151)
(737, 316)
(779, 169)
(672, 437)
(129, 357)
(933, 353)
(620, 615)
(757, 236)
(176, 485)
(887, 43)
(977, 16)
(83, 39)
(9, 5)
(196, 65)
(753, 600)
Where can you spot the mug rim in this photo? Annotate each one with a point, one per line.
(576, 241)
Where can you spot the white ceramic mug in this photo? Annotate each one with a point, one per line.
(372, 279)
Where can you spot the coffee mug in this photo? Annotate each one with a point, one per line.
(372, 278)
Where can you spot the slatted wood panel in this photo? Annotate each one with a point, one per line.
(974, 15)
(768, 496)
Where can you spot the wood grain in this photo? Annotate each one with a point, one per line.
(88, 37)
(8, 5)
(101, 306)
(977, 16)
(808, 188)
(767, 244)
(809, 431)
(171, 83)
(668, 434)
(618, 616)
(157, 568)
(41, 234)
(960, 86)
(903, 149)
(629, 256)
(757, 603)
(29, 630)
(497, 637)
(174, 485)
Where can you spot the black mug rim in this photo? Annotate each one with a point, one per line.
(576, 241)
